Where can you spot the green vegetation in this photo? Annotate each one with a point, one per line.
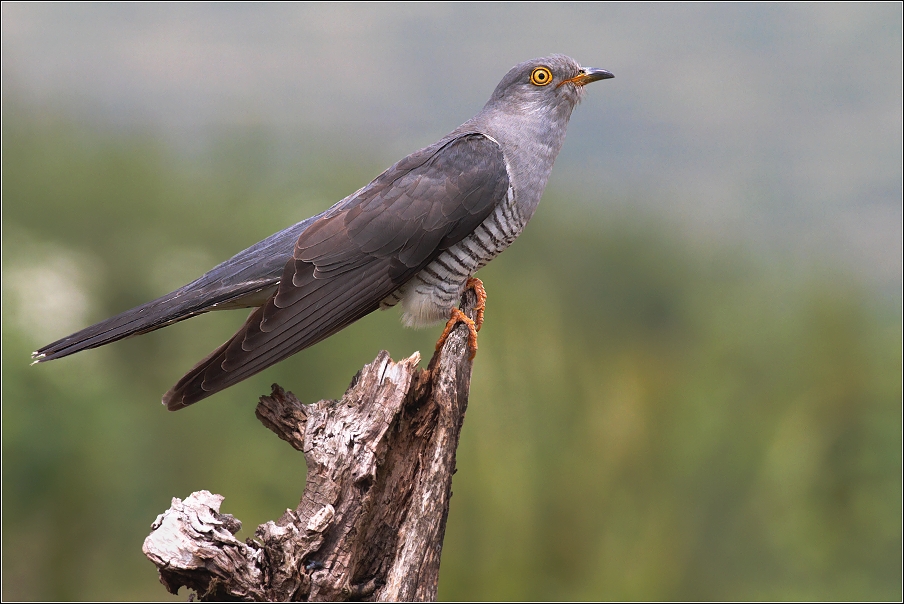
(650, 418)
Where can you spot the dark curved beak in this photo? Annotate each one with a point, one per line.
(592, 74)
(587, 75)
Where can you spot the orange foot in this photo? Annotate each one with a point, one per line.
(473, 326)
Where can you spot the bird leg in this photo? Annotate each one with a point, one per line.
(473, 326)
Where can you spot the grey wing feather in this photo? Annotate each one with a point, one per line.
(358, 253)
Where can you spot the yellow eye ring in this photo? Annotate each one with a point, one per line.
(540, 76)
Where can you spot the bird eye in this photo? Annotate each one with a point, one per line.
(540, 76)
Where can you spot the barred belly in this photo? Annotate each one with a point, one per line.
(432, 293)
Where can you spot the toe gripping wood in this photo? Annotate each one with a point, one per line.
(457, 316)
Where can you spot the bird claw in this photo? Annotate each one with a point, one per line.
(481, 293)
(473, 326)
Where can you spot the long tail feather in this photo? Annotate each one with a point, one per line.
(245, 280)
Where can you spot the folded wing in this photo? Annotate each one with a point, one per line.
(358, 253)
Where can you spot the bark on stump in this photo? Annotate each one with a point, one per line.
(371, 521)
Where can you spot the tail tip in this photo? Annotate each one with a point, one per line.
(179, 398)
(173, 401)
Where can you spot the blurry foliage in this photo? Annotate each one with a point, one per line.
(650, 418)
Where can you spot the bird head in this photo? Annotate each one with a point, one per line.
(553, 82)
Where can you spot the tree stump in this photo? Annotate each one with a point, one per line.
(371, 521)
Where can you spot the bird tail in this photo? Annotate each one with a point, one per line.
(245, 280)
(184, 303)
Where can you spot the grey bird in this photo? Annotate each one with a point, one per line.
(414, 237)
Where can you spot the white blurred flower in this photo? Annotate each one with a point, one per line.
(46, 298)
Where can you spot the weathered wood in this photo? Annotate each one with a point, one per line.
(371, 521)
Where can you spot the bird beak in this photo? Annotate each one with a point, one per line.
(587, 75)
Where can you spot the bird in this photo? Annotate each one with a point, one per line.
(413, 237)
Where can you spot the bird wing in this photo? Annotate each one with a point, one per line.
(358, 253)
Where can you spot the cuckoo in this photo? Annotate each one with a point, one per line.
(413, 237)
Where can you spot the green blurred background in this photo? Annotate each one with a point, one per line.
(689, 380)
